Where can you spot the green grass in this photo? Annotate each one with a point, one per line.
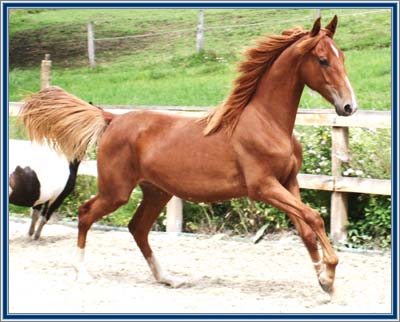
(200, 84)
(16, 129)
(165, 70)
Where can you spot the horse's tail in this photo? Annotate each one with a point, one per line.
(64, 121)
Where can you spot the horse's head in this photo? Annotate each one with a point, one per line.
(323, 68)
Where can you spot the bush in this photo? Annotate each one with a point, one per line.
(370, 154)
(371, 221)
(19, 211)
(316, 142)
(240, 216)
(85, 188)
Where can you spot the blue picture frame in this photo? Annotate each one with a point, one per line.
(7, 5)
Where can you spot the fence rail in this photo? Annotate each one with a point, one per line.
(311, 117)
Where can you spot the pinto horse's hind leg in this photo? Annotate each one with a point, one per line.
(153, 202)
(42, 222)
(35, 216)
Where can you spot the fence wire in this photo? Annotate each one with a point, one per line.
(182, 39)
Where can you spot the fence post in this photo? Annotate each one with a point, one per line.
(318, 13)
(45, 72)
(91, 48)
(174, 215)
(339, 201)
(200, 35)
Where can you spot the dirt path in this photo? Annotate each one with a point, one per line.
(226, 275)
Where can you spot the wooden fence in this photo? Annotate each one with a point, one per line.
(338, 185)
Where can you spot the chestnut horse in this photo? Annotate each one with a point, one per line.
(245, 147)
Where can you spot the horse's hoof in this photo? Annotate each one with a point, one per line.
(327, 288)
(334, 295)
(174, 282)
(326, 284)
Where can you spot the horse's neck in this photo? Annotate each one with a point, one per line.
(278, 94)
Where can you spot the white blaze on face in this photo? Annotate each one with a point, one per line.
(350, 88)
(335, 50)
(353, 97)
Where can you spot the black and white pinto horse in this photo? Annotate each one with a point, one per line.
(39, 178)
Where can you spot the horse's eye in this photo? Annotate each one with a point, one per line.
(323, 62)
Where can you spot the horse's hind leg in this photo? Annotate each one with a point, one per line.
(153, 202)
(90, 212)
(115, 188)
(34, 218)
(51, 207)
(42, 221)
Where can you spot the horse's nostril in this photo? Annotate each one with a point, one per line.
(347, 108)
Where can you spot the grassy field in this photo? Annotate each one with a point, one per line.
(165, 70)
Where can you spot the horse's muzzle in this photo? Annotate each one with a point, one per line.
(346, 110)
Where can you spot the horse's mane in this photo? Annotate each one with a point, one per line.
(259, 60)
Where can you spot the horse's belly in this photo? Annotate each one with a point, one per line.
(219, 191)
(203, 193)
(199, 184)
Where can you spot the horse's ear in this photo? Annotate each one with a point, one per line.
(316, 27)
(332, 25)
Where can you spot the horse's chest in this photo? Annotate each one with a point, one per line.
(279, 163)
(281, 167)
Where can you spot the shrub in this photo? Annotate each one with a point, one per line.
(316, 142)
(84, 189)
(370, 225)
(19, 211)
(240, 216)
(370, 154)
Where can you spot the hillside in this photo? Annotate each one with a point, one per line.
(148, 57)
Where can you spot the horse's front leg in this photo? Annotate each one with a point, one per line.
(273, 193)
(306, 233)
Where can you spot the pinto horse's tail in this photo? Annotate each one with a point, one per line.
(64, 121)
